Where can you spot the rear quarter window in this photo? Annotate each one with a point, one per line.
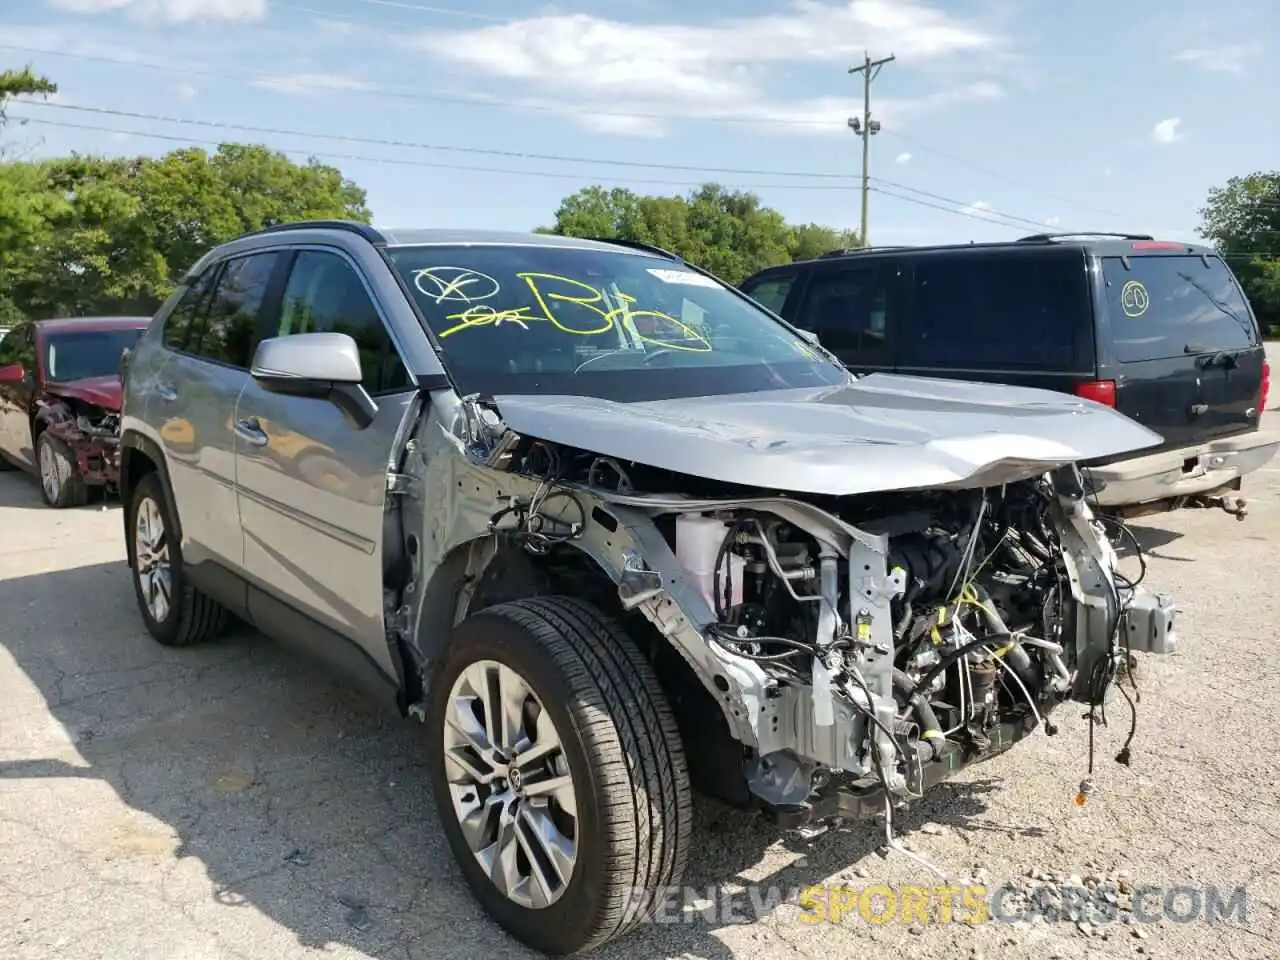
(1162, 307)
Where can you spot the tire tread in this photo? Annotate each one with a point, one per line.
(200, 617)
(633, 742)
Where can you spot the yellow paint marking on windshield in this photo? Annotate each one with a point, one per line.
(590, 299)
(483, 315)
(587, 303)
(805, 351)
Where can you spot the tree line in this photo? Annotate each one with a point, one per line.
(83, 235)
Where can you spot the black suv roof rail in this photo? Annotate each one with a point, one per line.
(1047, 237)
(635, 245)
(850, 251)
(371, 234)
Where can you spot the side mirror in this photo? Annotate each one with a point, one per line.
(321, 365)
(12, 373)
(810, 336)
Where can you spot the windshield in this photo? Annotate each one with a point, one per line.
(91, 353)
(615, 325)
(1165, 307)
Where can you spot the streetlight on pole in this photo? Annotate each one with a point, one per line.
(866, 127)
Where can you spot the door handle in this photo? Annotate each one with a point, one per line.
(166, 392)
(250, 431)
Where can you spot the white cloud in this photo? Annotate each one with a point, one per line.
(340, 28)
(1166, 131)
(171, 11)
(980, 209)
(902, 158)
(719, 68)
(1228, 58)
(1052, 221)
(185, 92)
(303, 83)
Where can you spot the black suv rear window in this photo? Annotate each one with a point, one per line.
(1018, 312)
(1163, 307)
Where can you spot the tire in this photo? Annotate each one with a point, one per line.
(619, 745)
(60, 485)
(188, 617)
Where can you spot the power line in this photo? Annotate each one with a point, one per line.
(986, 216)
(500, 103)
(869, 69)
(518, 155)
(919, 145)
(420, 95)
(444, 11)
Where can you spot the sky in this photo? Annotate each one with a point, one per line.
(999, 118)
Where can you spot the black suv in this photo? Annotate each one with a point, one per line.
(1158, 330)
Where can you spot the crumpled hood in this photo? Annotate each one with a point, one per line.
(102, 392)
(881, 432)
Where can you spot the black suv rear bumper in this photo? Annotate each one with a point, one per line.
(1184, 472)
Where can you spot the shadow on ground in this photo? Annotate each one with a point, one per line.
(23, 493)
(303, 801)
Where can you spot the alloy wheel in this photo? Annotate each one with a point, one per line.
(512, 790)
(151, 559)
(50, 476)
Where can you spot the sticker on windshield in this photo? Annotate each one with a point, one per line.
(684, 277)
(1134, 299)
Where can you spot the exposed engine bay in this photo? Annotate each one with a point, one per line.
(91, 432)
(861, 648)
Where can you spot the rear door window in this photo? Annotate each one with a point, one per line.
(231, 321)
(1018, 312)
(185, 323)
(848, 308)
(1162, 307)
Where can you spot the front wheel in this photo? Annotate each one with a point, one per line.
(60, 484)
(558, 773)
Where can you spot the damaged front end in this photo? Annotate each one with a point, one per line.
(860, 648)
(92, 433)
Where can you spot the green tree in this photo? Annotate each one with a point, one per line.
(23, 83)
(725, 231)
(82, 235)
(1242, 219)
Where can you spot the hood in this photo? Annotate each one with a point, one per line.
(881, 432)
(102, 392)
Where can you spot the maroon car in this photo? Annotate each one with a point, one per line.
(60, 402)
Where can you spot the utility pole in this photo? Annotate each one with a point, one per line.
(866, 126)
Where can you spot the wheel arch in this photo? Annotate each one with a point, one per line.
(482, 572)
(139, 456)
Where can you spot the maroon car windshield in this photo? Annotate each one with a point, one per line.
(84, 354)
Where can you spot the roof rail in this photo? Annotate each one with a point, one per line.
(371, 234)
(848, 251)
(635, 245)
(1047, 237)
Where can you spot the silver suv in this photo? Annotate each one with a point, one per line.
(613, 532)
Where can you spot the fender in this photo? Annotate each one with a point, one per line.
(134, 445)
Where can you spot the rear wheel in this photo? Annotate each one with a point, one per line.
(175, 612)
(558, 773)
(60, 484)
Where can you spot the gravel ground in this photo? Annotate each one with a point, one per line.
(230, 801)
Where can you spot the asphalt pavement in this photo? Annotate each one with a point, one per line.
(231, 801)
